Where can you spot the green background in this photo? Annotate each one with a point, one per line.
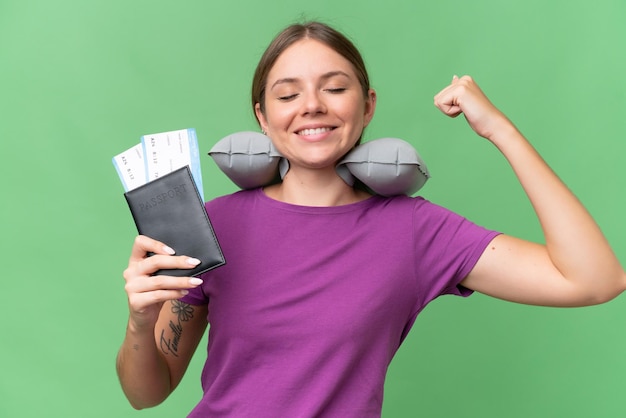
(80, 81)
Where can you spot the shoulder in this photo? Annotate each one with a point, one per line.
(433, 221)
(236, 198)
(413, 204)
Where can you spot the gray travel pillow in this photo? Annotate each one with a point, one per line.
(387, 166)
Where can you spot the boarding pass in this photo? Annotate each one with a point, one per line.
(157, 155)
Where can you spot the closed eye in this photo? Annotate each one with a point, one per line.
(287, 97)
(336, 90)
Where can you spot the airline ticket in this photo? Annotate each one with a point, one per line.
(159, 154)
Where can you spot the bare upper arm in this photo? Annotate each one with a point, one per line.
(520, 271)
(178, 331)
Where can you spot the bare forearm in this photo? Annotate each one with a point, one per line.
(575, 243)
(142, 371)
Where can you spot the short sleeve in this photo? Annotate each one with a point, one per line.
(448, 246)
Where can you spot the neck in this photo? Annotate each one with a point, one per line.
(314, 188)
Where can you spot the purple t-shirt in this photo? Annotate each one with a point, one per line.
(313, 302)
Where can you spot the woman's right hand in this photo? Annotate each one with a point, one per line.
(147, 293)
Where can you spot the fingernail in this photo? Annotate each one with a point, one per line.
(193, 261)
(184, 292)
(168, 250)
(195, 281)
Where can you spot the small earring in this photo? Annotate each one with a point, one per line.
(263, 131)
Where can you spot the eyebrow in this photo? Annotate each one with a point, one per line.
(324, 77)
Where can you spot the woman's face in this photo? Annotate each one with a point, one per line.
(315, 111)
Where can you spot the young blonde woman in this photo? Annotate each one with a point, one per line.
(323, 280)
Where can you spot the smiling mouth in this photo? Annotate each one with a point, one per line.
(315, 131)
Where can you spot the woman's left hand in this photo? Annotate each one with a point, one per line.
(576, 266)
(464, 96)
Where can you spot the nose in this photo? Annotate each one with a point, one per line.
(313, 103)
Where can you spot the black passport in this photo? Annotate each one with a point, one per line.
(169, 209)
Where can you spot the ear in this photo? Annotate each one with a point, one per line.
(260, 117)
(370, 106)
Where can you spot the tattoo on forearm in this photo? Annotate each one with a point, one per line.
(184, 312)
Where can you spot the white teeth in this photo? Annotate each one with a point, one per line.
(315, 131)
